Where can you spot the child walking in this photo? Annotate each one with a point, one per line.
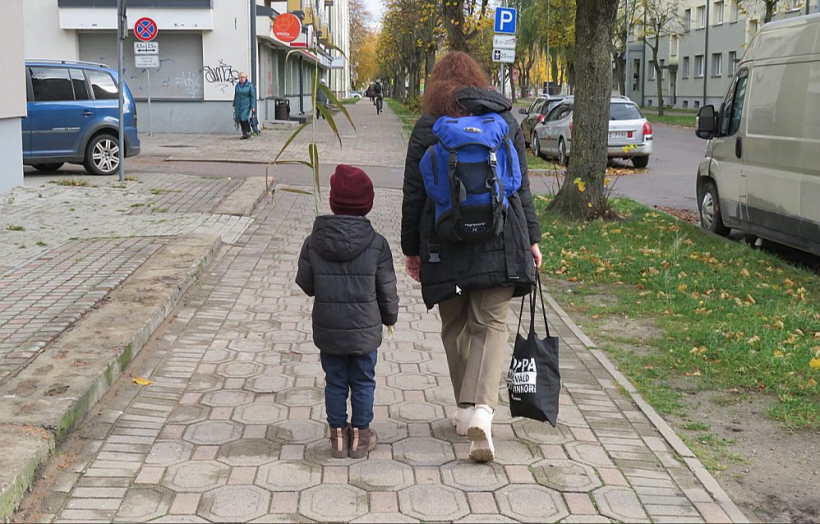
(348, 268)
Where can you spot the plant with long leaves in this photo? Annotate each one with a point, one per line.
(313, 150)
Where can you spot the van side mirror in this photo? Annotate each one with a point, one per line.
(523, 111)
(706, 122)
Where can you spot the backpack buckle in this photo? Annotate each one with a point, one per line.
(433, 249)
(493, 161)
(452, 160)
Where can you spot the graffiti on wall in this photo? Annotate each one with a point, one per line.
(223, 75)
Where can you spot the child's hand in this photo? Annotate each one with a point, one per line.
(413, 265)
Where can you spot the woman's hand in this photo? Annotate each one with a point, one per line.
(413, 265)
(536, 255)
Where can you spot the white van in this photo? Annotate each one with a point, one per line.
(761, 173)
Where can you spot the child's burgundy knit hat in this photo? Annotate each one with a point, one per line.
(351, 191)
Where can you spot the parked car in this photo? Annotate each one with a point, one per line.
(73, 115)
(761, 171)
(355, 94)
(536, 113)
(630, 134)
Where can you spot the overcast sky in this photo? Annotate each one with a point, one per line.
(375, 7)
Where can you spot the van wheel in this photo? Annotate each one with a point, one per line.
(640, 162)
(102, 155)
(47, 168)
(563, 158)
(536, 146)
(709, 204)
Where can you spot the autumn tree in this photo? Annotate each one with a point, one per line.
(360, 31)
(463, 21)
(583, 193)
(659, 19)
(770, 7)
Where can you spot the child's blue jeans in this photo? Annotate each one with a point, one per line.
(353, 375)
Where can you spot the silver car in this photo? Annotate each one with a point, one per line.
(630, 134)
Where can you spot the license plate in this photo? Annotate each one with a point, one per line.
(618, 134)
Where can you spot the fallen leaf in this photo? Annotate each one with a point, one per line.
(754, 340)
(744, 272)
(693, 374)
(142, 381)
(778, 354)
(811, 383)
(750, 300)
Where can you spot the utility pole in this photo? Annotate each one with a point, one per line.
(706, 58)
(122, 33)
(627, 81)
(549, 80)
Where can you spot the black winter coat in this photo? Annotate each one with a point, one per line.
(348, 268)
(503, 261)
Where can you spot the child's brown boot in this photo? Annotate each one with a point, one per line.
(362, 441)
(339, 442)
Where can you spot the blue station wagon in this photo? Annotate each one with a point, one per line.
(73, 115)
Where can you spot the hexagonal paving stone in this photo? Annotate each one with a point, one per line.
(141, 504)
(288, 476)
(433, 502)
(297, 431)
(443, 429)
(516, 452)
(416, 412)
(180, 519)
(169, 452)
(291, 315)
(319, 453)
(380, 518)
(305, 369)
(188, 414)
(381, 475)
(270, 383)
(248, 345)
(406, 356)
(240, 369)
(528, 503)
(337, 503)
(281, 518)
(436, 367)
(259, 326)
(566, 475)
(620, 504)
(541, 432)
(286, 337)
(441, 395)
(426, 326)
(423, 452)
(269, 358)
(213, 432)
(389, 431)
(214, 356)
(196, 476)
(306, 348)
(386, 396)
(249, 452)
(271, 292)
(227, 398)
(485, 519)
(202, 383)
(234, 503)
(591, 454)
(260, 413)
(301, 396)
(266, 308)
(583, 519)
(472, 476)
(411, 381)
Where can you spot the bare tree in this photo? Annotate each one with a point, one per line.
(770, 7)
(659, 19)
(627, 11)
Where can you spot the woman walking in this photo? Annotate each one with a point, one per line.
(244, 104)
(472, 283)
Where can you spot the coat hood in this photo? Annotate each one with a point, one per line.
(342, 238)
(480, 100)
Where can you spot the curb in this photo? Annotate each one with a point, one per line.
(243, 200)
(709, 483)
(34, 422)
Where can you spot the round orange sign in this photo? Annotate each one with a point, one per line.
(287, 27)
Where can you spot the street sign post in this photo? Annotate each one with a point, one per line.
(505, 20)
(146, 48)
(122, 34)
(503, 41)
(504, 56)
(506, 23)
(146, 54)
(146, 62)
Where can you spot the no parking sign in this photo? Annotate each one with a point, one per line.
(145, 29)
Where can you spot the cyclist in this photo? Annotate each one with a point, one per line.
(378, 93)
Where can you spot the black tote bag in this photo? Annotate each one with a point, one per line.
(534, 380)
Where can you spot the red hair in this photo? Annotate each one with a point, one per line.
(453, 73)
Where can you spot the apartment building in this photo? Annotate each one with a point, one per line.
(12, 97)
(203, 46)
(699, 62)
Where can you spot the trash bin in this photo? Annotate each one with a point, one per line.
(282, 111)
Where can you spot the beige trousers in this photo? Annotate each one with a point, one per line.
(474, 333)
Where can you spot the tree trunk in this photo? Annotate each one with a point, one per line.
(453, 14)
(586, 198)
(429, 64)
(770, 5)
(620, 72)
(400, 78)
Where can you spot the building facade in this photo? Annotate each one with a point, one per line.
(12, 97)
(699, 61)
(203, 46)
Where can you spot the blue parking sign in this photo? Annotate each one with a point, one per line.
(505, 20)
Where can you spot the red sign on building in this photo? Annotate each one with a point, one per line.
(287, 27)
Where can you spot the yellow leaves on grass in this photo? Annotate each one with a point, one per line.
(682, 288)
(581, 185)
(811, 383)
(750, 300)
(744, 273)
(699, 350)
(142, 381)
(754, 340)
(778, 354)
(814, 363)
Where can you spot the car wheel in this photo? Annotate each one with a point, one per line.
(563, 158)
(710, 216)
(54, 166)
(640, 162)
(536, 147)
(102, 155)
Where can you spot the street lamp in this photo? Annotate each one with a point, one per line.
(627, 82)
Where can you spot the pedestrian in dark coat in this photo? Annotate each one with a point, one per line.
(348, 268)
(473, 283)
(321, 98)
(244, 104)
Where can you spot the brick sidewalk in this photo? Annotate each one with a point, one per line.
(382, 133)
(232, 430)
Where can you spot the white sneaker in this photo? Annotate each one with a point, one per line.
(480, 432)
(461, 420)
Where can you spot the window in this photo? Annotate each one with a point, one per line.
(636, 68)
(621, 111)
(536, 106)
(734, 11)
(687, 20)
(699, 71)
(685, 67)
(685, 104)
(102, 85)
(652, 72)
(78, 82)
(733, 110)
(697, 104)
(717, 64)
(675, 44)
(718, 12)
(701, 14)
(732, 62)
(51, 84)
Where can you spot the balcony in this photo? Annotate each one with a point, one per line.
(162, 4)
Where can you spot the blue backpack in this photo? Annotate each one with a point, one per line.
(470, 173)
